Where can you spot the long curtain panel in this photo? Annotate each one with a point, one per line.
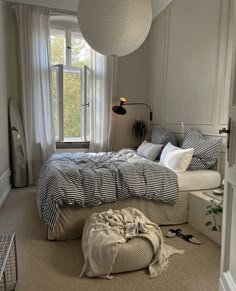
(33, 35)
(104, 82)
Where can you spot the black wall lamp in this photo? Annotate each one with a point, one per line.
(121, 110)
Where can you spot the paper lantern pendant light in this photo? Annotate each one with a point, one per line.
(115, 27)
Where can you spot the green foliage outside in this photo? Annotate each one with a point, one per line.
(57, 50)
(72, 114)
(80, 54)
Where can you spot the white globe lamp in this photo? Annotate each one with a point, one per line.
(115, 27)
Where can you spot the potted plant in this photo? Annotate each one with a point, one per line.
(213, 210)
(139, 130)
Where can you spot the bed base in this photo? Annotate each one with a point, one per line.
(72, 218)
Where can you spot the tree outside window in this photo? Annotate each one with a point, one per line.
(69, 56)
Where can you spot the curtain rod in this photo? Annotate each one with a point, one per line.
(53, 11)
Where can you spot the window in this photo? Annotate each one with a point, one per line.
(70, 60)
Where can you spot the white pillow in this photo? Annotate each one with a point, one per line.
(175, 158)
(168, 148)
(149, 150)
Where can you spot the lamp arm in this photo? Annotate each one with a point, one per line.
(140, 103)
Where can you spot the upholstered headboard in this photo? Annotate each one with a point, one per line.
(163, 136)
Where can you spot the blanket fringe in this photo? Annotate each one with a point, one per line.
(166, 251)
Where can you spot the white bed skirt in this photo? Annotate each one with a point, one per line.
(72, 218)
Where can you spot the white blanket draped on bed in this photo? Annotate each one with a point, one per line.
(105, 232)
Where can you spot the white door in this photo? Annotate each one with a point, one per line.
(228, 255)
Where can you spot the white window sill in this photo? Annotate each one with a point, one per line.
(72, 145)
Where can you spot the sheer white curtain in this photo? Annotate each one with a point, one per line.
(33, 35)
(104, 80)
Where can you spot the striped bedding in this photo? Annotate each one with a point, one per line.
(89, 179)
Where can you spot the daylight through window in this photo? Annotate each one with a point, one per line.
(70, 60)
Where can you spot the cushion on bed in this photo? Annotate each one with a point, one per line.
(163, 136)
(175, 158)
(206, 151)
(149, 150)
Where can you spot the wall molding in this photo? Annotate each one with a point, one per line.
(219, 104)
(224, 32)
(218, 77)
(207, 130)
(166, 63)
(5, 186)
(212, 117)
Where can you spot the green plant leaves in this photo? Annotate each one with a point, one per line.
(215, 208)
(209, 212)
(139, 129)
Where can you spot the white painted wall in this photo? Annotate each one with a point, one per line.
(4, 146)
(187, 58)
(186, 71)
(132, 84)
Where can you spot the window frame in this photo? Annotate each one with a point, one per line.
(84, 102)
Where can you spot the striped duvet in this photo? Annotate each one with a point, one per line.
(89, 179)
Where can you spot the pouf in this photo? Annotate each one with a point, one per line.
(135, 254)
(123, 240)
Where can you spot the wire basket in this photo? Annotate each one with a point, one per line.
(8, 262)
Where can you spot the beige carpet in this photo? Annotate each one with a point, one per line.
(45, 265)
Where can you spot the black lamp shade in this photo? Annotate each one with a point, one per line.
(119, 110)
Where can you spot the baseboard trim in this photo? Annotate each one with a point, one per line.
(5, 185)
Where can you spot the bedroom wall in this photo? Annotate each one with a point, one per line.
(4, 146)
(187, 58)
(132, 84)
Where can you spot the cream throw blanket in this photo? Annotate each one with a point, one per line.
(104, 233)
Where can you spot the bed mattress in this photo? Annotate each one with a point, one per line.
(199, 180)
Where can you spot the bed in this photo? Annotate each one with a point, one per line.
(73, 186)
(165, 202)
